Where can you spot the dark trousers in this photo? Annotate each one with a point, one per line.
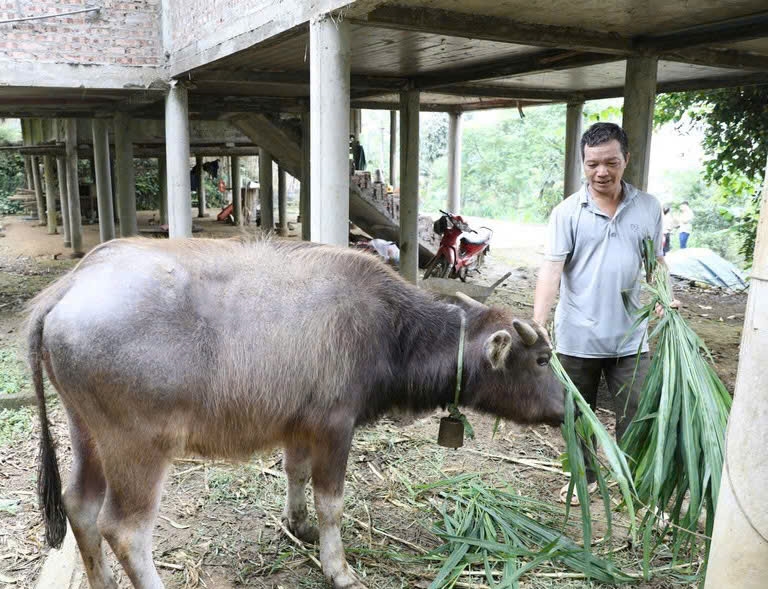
(624, 377)
(684, 240)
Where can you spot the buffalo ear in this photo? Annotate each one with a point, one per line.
(497, 347)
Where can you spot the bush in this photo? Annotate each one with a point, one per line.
(11, 178)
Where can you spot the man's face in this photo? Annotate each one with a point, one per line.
(604, 167)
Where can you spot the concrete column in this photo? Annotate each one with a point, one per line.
(50, 193)
(29, 182)
(125, 176)
(282, 204)
(177, 152)
(61, 173)
(304, 194)
(201, 204)
(392, 147)
(355, 122)
(409, 185)
(38, 186)
(237, 192)
(103, 180)
(329, 67)
(454, 162)
(266, 200)
(574, 116)
(162, 181)
(639, 99)
(739, 553)
(73, 189)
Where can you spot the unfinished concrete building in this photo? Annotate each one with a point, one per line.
(178, 78)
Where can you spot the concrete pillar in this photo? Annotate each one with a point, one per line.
(237, 192)
(50, 193)
(639, 99)
(201, 204)
(738, 556)
(355, 122)
(266, 200)
(73, 189)
(574, 116)
(38, 186)
(29, 182)
(103, 180)
(392, 148)
(177, 152)
(282, 204)
(329, 66)
(409, 185)
(304, 194)
(162, 182)
(61, 173)
(454, 162)
(125, 176)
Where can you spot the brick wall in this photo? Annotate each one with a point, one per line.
(125, 32)
(192, 20)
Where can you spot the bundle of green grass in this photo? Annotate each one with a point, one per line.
(676, 443)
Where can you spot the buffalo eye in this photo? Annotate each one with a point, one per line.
(543, 361)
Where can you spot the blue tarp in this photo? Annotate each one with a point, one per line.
(704, 265)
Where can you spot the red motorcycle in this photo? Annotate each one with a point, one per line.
(461, 250)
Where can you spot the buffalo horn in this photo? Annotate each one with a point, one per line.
(469, 300)
(526, 332)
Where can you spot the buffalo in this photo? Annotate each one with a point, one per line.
(221, 348)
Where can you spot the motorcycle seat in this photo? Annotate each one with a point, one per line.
(479, 238)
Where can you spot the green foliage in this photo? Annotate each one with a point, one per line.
(735, 125)
(11, 178)
(15, 424)
(512, 167)
(147, 184)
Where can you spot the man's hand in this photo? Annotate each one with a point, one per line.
(675, 304)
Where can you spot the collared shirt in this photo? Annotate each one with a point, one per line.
(600, 285)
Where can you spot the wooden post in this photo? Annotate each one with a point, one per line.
(125, 176)
(39, 199)
(454, 162)
(102, 177)
(61, 173)
(282, 204)
(392, 147)
(237, 192)
(202, 205)
(50, 193)
(639, 99)
(305, 195)
(162, 180)
(573, 118)
(73, 189)
(409, 185)
(266, 200)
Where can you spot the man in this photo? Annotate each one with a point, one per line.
(593, 257)
(686, 224)
(668, 223)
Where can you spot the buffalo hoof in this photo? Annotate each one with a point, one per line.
(304, 531)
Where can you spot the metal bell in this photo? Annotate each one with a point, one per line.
(451, 433)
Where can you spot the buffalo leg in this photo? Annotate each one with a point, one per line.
(83, 499)
(297, 462)
(329, 465)
(130, 508)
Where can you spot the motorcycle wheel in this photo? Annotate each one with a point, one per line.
(462, 274)
(437, 267)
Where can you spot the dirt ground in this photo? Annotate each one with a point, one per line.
(219, 522)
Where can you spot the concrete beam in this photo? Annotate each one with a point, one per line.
(34, 74)
(329, 46)
(103, 180)
(296, 78)
(73, 190)
(61, 173)
(125, 176)
(494, 28)
(639, 99)
(409, 185)
(177, 154)
(454, 163)
(266, 191)
(574, 116)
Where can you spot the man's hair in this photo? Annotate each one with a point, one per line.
(685, 202)
(600, 133)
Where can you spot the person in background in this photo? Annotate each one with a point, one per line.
(686, 224)
(668, 223)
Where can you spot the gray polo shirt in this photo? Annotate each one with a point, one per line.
(603, 259)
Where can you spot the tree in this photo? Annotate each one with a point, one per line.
(735, 125)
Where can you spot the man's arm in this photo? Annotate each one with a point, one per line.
(547, 287)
